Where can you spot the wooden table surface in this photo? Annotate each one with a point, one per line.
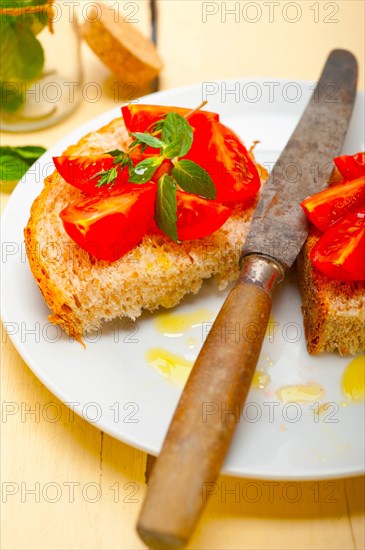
(68, 460)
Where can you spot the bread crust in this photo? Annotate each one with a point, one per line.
(63, 315)
(174, 269)
(333, 311)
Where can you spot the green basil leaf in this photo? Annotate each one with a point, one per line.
(178, 134)
(152, 141)
(166, 206)
(194, 179)
(144, 170)
(12, 168)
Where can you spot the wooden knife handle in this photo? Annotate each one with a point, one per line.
(209, 410)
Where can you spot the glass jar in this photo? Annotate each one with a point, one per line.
(40, 65)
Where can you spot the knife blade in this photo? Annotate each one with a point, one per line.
(279, 227)
(210, 406)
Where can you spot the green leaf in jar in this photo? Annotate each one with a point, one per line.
(21, 3)
(35, 21)
(21, 53)
(10, 62)
(12, 96)
(30, 51)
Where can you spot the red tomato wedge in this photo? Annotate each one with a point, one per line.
(198, 217)
(219, 150)
(329, 205)
(339, 253)
(111, 225)
(351, 167)
(79, 171)
(138, 118)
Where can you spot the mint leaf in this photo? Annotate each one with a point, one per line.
(176, 148)
(144, 170)
(12, 168)
(29, 152)
(15, 161)
(166, 207)
(147, 139)
(156, 126)
(194, 179)
(178, 134)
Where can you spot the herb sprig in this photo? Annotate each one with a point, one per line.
(172, 135)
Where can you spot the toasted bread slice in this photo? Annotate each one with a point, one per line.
(333, 311)
(82, 292)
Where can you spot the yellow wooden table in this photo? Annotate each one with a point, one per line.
(65, 484)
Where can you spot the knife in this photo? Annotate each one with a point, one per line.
(197, 442)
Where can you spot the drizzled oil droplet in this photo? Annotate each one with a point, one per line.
(353, 379)
(174, 368)
(305, 393)
(176, 324)
(260, 380)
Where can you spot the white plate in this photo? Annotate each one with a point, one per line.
(111, 384)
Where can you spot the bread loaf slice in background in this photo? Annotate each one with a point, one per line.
(82, 292)
(333, 311)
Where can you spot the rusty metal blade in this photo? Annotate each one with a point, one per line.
(279, 227)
